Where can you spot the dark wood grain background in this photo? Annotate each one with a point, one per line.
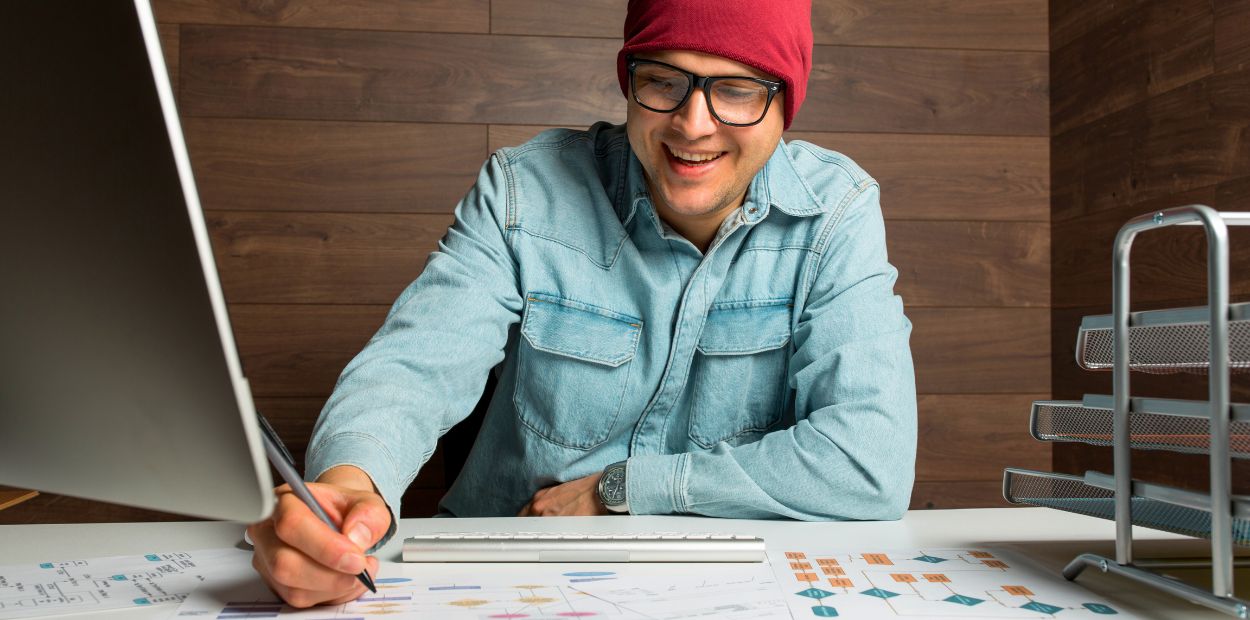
(331, 140)
(1150, 109)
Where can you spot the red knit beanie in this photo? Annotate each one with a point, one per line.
(774, 36)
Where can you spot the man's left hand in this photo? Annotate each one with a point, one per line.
(573, 498)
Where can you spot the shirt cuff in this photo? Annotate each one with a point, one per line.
(655, 484)
(364, 453)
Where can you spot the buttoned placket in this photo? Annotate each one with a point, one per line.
(651, 432)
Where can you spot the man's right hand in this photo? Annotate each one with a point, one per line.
(304, 560)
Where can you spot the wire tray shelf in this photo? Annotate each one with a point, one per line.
(1154, 424)
(1075, 494)
(1165, 341)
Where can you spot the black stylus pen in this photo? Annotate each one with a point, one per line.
(285, 464)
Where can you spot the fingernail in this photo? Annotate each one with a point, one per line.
(361, 536)
(351, 563)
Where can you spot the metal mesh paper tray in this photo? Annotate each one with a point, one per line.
(1165, 341)
(1153, 506)
(1154, 423)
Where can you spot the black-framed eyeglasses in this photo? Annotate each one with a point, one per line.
(733, 100)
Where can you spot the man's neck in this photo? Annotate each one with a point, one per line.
(699, 230)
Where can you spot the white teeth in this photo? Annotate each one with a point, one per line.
(695, 157)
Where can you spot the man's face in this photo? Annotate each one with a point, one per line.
(670, 146)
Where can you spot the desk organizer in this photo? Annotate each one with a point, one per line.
(1154, 424)
(1164, 341)
(1213, 340)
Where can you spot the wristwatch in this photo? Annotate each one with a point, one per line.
(612, 488)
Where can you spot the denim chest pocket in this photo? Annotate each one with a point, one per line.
(739, 372)
(573, 369)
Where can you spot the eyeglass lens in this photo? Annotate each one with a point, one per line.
(732, 100)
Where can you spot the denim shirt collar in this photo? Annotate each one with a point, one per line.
(777, 184)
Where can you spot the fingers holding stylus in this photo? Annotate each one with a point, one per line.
(305, 561)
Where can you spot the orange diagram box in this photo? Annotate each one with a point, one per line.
(879, 559)
(1018, 590)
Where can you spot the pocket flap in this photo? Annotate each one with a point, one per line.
(582, 331)
(744, 327)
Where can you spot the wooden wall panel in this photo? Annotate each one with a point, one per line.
(414, 15)
(170, 46)
(298, 350)
(979, 24)
(560, 18)
(499, 136)
(925, 91)
(973, 437)
(1176, 256)
(1132, 156)
(1149, 51)
(369, 258)
(1073, 19)
(983, 24)
(981, 350)
(1150, 112)
(957, 177)
(397, 76)
(280, 165)
(948, 495)
(321, 258)
(1232, 46)
(944, 263)
(924, 177)
(296, 73)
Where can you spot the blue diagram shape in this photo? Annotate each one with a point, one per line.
(1042, 608)
(824, 611)
(815, 593)
(142, 601)
(879, 593)
(118, 577)
(930, 559)
(968, 600)
(1099, 608)
(392, 580)
(46, 565)
(152, 557)
(590, 573)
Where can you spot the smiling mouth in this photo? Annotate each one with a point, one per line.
(690, 158)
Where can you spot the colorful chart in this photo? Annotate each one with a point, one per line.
(466, 595)
(939, 583)
(108, 583)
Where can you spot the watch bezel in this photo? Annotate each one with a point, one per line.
(614, 476)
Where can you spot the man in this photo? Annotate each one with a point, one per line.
(685, 302)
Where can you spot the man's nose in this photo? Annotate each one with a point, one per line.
(694, 119)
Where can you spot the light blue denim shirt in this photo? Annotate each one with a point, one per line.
(768, 377)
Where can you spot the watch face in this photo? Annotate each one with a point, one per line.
(614, 486)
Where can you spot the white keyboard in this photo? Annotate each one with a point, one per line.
(567, 547)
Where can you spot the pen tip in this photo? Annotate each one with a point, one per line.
(364, 578)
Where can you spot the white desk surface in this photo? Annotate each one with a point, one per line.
(1049, 537)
